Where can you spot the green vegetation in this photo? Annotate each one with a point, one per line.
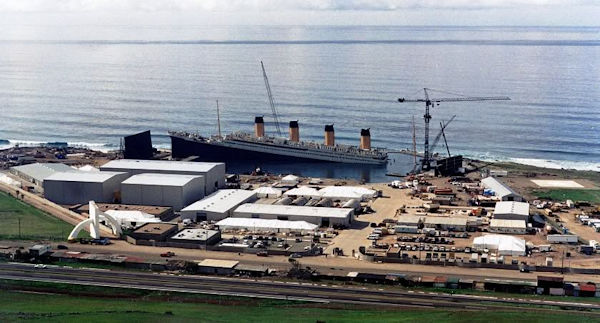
(97, 304)
(34, 224)
(570, 194)
(562, 173)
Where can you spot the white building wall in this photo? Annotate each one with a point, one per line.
(214, 175)
(76, 192)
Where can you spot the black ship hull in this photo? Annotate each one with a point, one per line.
(183, 148)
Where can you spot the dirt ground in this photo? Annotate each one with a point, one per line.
(385, 208)
(586, 232)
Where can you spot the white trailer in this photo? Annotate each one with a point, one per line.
(562, 238)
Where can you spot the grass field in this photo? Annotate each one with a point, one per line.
(570, 194)
(145, 306)
(34, 224)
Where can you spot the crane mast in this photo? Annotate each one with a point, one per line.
(271, 102)
(429, 103)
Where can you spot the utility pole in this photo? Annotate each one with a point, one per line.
(562, 265)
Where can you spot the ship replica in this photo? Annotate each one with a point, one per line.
(257, 147)
(243, 146)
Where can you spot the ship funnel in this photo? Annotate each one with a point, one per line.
(365, 139)
(329, 135)
(294, 131)
(259, 127)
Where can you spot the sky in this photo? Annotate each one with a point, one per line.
(301, 12)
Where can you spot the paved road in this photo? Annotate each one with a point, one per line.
(280, 290)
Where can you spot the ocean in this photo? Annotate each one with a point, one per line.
(92, 85)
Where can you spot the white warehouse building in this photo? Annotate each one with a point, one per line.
(321, 216)
(508, 226)
(76, 187)
(217, 206)
(214, 173)
(176, 191)
(36, 173)
(511, 211)
(501, 190)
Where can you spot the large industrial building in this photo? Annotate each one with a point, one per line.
(81, 187)
(512, 211)
(214, 173)
(321, 216)
(508, 226)
(36, 173)
(446, 223)
(501, 190)
(176, 191)
(217, 206)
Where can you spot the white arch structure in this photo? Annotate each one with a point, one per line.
(94, 221)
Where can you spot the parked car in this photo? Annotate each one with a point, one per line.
(62, 247)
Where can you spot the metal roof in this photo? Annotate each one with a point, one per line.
(259, 224)
(81, 176)
(160, 179)
(499, 188)
(501, 223)
(322, 212)
(218, 263)
(160, 165)
(221, 201)
(40, 171)
(509, 207)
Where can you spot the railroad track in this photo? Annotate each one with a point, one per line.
(310, 292)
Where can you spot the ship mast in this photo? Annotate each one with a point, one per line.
(414, 138)
(218, 120)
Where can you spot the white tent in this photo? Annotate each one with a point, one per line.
(132, 218)
(505, 245)
(290, 180)
(88, 168)
(305, 191)
(268, 192)
(252, 224)
(344, 193)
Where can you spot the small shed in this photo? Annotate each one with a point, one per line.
(217, 266)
